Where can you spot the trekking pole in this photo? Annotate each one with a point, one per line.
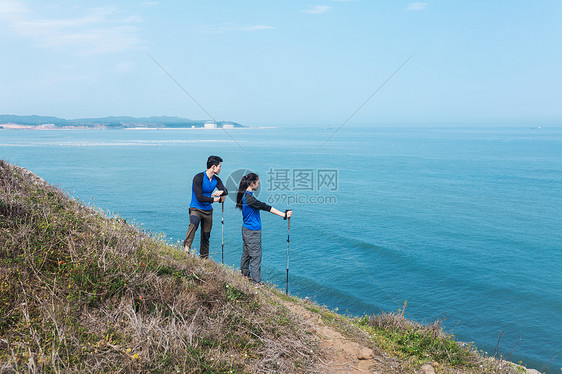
(288, 242)
(222, 234)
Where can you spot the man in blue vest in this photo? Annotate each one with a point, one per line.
(203, 195)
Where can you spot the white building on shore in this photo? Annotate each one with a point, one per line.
(210, 125)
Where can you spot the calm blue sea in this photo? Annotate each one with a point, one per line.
(463, 223)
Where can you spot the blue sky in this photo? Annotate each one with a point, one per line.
(286, 62)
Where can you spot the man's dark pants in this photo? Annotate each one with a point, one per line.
(205, 218)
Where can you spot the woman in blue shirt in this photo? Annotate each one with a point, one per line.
(251, 227)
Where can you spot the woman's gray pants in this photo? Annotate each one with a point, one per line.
(251, 254)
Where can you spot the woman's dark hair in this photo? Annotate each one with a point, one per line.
(213, 160)
(244, 184)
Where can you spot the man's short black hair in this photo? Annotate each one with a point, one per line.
(213, 160)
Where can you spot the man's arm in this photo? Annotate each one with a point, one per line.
(221, 187)
(198, 189)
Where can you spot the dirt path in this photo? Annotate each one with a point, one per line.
(339, 354)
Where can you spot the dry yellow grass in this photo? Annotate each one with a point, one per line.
(83, 292)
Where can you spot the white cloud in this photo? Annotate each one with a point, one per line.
(417, 6)
(229, 28)
(95, 31)
(254, 28)
(123, 67)
(317, 9)
(12, 9)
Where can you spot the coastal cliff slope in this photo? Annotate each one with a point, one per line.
(83, 291)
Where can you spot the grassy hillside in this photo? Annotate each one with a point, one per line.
(84, 292)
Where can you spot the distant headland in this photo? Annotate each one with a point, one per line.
(34, 122)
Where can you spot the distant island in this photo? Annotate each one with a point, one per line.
(34, 122)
